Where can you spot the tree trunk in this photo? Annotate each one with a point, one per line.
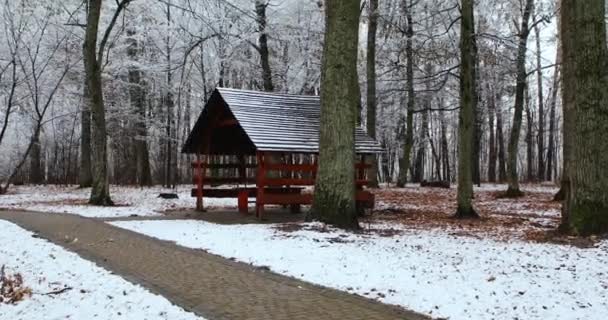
(136, 96)
(585, 56)
(512, 177)
(466, 117)
(85, 179)
(100, 193)
(492, 142)
(404, 163)
(371, 87)
(447, 175)
(541, 109)
(552, 122)
(502, 162)
(260, 10)
(36, 174)
(478, 112)
(529, 139)
(334, 197)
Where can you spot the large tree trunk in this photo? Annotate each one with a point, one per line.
(520, 87)
(466, 117)
(371, 87)
(585, 58)
(404, 163)
(334, 197)
(136, 96)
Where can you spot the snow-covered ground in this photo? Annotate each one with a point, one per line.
(129, 200)
(427, 271)
(95, 293)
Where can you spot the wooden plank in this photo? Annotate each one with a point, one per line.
(196, 164)
(287, 198)
(251, 191)
(291, 167)
(300, 182)
(288, 182)
(219, 181)
(268, 198)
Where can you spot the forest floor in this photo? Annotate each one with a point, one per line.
(410, 253)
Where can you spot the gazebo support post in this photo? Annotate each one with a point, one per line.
(199, 182)
(261, 175)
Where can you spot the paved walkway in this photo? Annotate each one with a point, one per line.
(208, 285)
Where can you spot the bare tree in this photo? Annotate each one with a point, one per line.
(466, 118)
(520, 87)
(93, 58)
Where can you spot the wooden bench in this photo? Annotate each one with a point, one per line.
(244, 193)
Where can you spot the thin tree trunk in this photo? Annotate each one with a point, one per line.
(585, 60)
(404, 163)
(513, 177)
(36, 175)
(371, 87)
(541, 109)
(445, 152)
(492, 142)
(260, 10)
(466, 117)
(552, 121)
(529, 139)
(334, 197)
(502, 162)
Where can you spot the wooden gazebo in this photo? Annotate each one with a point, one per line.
(263, 145)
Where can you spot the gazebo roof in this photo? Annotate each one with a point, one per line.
(262, 121)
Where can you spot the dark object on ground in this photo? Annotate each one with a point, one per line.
(168, 196)
(435, 184)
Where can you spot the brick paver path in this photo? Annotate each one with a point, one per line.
(208, 285)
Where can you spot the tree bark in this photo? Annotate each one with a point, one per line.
(100, 192)
(371, 87)
(492, 142)
(466, 117)
(552, 122)
(85, 178)
(136, 96)
(585, 57)
(541, 109)
(445, 153)
(260, 10)
(36, 174)
(529, 139)
(502, 162)
(334, 197)
(512, 177)
(405, 161)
